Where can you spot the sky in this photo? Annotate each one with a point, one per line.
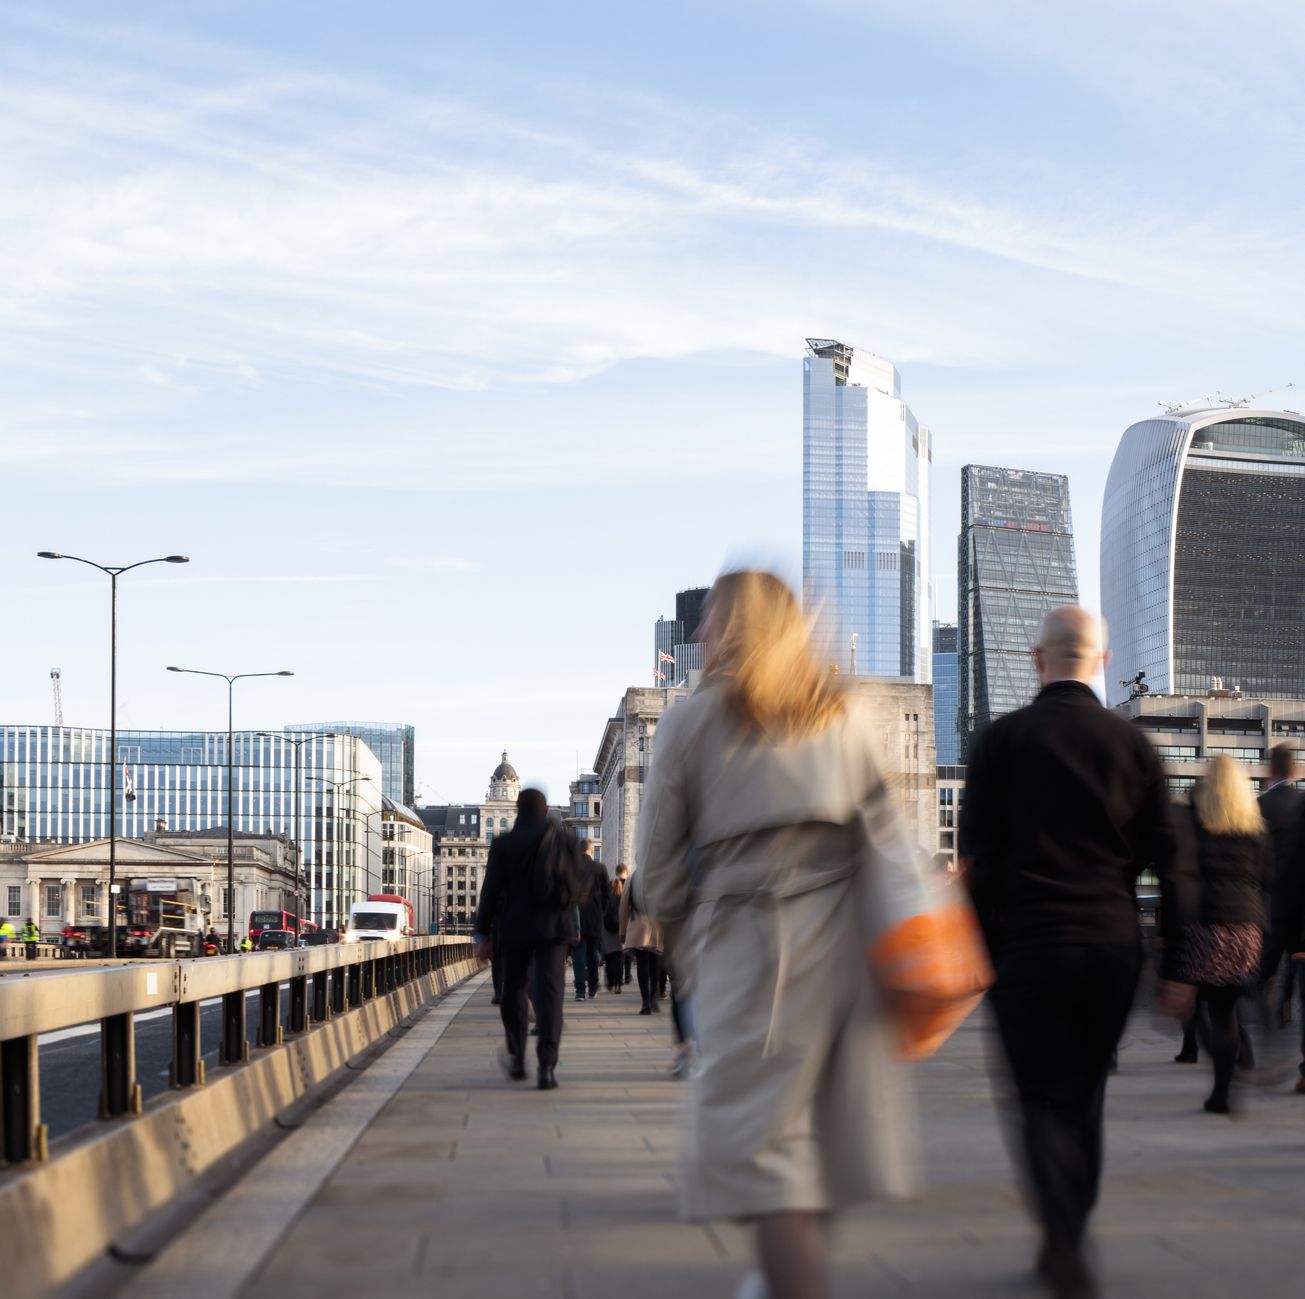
(450, 341)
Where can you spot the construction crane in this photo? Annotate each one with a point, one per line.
(56, 678)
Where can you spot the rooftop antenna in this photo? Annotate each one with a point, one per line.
(1172, 407)
(56, 678)
(1137, 686)
(1242, 402)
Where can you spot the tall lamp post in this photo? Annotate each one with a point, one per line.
(337, 786)
(230, 679)
(299, 841)
(114, 571)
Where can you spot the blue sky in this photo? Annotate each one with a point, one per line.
(450, 341)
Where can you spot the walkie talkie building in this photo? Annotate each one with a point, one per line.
(1203, 553)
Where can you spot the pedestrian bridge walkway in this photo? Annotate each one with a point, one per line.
(435, 1175)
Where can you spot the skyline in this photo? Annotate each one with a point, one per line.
(446, 344)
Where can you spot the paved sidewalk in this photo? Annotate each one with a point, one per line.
(467, 1184)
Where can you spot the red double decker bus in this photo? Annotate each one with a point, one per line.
(260, 920)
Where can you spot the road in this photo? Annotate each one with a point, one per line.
(70, 1060)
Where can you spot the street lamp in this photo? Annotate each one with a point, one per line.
(231, 680)
(337, 786)
(299, 842)
(114, 571)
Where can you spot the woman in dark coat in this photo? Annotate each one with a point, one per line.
(1221, 952)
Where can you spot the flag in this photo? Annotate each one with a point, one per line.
(661, 676)
(128, 793)
(664, 657)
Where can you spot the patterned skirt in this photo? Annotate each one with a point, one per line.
(1224, 956)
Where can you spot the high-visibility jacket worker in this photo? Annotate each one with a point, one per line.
(31, 936)
(7, 935)
(246, 945)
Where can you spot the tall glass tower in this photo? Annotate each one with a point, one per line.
(1016, 561)
(1202, 563)
(865, 511)
(394, 743)
(946, 695)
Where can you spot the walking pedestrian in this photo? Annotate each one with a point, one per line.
(752, 834)
(536, 925)
(642, 935)
(592, 907)
(1222, 948)
(1283, 807)
(622, 877)
(31, 936)
(1065, 804)
(613, 954)
(7, 935)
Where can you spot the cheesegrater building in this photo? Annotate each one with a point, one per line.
(1016, 561)
(1202, 562)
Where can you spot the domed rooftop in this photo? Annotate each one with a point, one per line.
(505, 771)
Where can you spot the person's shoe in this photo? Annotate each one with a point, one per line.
(547, 1078)
(1186, 1057)
(579, 996)
(645, 1009)
(656, 1007)
(662, 996)
(617, 989)
(534, 1030)
(1217, 1105)
(1300, 1085)
(1066, 1273)
(513, 1066)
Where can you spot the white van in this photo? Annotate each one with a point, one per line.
(372, 921)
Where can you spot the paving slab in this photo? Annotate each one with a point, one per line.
(467, 1184)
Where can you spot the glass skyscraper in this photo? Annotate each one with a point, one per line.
(865, 512)
(1016, 561)
(946, 695)
(1202, 562)
(54, 788)
(393, 743)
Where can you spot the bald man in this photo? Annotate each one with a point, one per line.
(1065, 803)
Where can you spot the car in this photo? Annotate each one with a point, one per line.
(319, 938)
(276, 940)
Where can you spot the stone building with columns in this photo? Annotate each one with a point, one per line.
(67, 884)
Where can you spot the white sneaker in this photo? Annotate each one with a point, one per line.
(753, 1286)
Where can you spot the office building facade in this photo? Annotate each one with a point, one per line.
(54, 788)
(1016, 561)
(394, 743)
(1202, 566)
(866, 467)
(946, 694)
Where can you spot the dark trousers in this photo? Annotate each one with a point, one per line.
(627, 958)
(1060, 1012)
(31, 950)
(647, 965)
(584, 964)
(612, 969)
(496, 970)
(549, 987)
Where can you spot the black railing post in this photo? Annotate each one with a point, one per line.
(235, 1047)
(119, 1091)
(187, 1053)
(299, 1004)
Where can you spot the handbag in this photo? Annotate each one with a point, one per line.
(924, 946)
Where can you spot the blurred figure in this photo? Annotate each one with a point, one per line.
(622, 877)
(1065, 804)
(585, 954)
(1283, 807)
(642, 935)
(1222, 948)
(762, 794)
(613, 953)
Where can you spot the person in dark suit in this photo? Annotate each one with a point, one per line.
(1283, 807)
(585, 954)
(1065, 804)
(527, 931)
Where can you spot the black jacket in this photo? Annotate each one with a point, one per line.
(1065, 804)
(1235, 871)
(505, 896)
(593, 908)
(1283, 808)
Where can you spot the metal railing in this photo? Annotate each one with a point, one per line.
(323, 981)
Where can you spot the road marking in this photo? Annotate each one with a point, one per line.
(228, 1243)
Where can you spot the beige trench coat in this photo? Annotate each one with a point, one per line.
(750, 854)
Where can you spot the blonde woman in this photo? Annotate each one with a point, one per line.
(763, 797)
(1221, 952)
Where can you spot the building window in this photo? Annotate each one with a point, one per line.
(502, 823)
(598, 808)
(53, 899)
(15, 899)
(90, 906)
(226, 899)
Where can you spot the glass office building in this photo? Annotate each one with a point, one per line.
(946, 695)
(1202, 564)
(1016, 561)
(865, 512)
(393, 743)
(55, 789)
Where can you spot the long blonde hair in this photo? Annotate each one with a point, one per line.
(1224, 800)
(760, 649)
